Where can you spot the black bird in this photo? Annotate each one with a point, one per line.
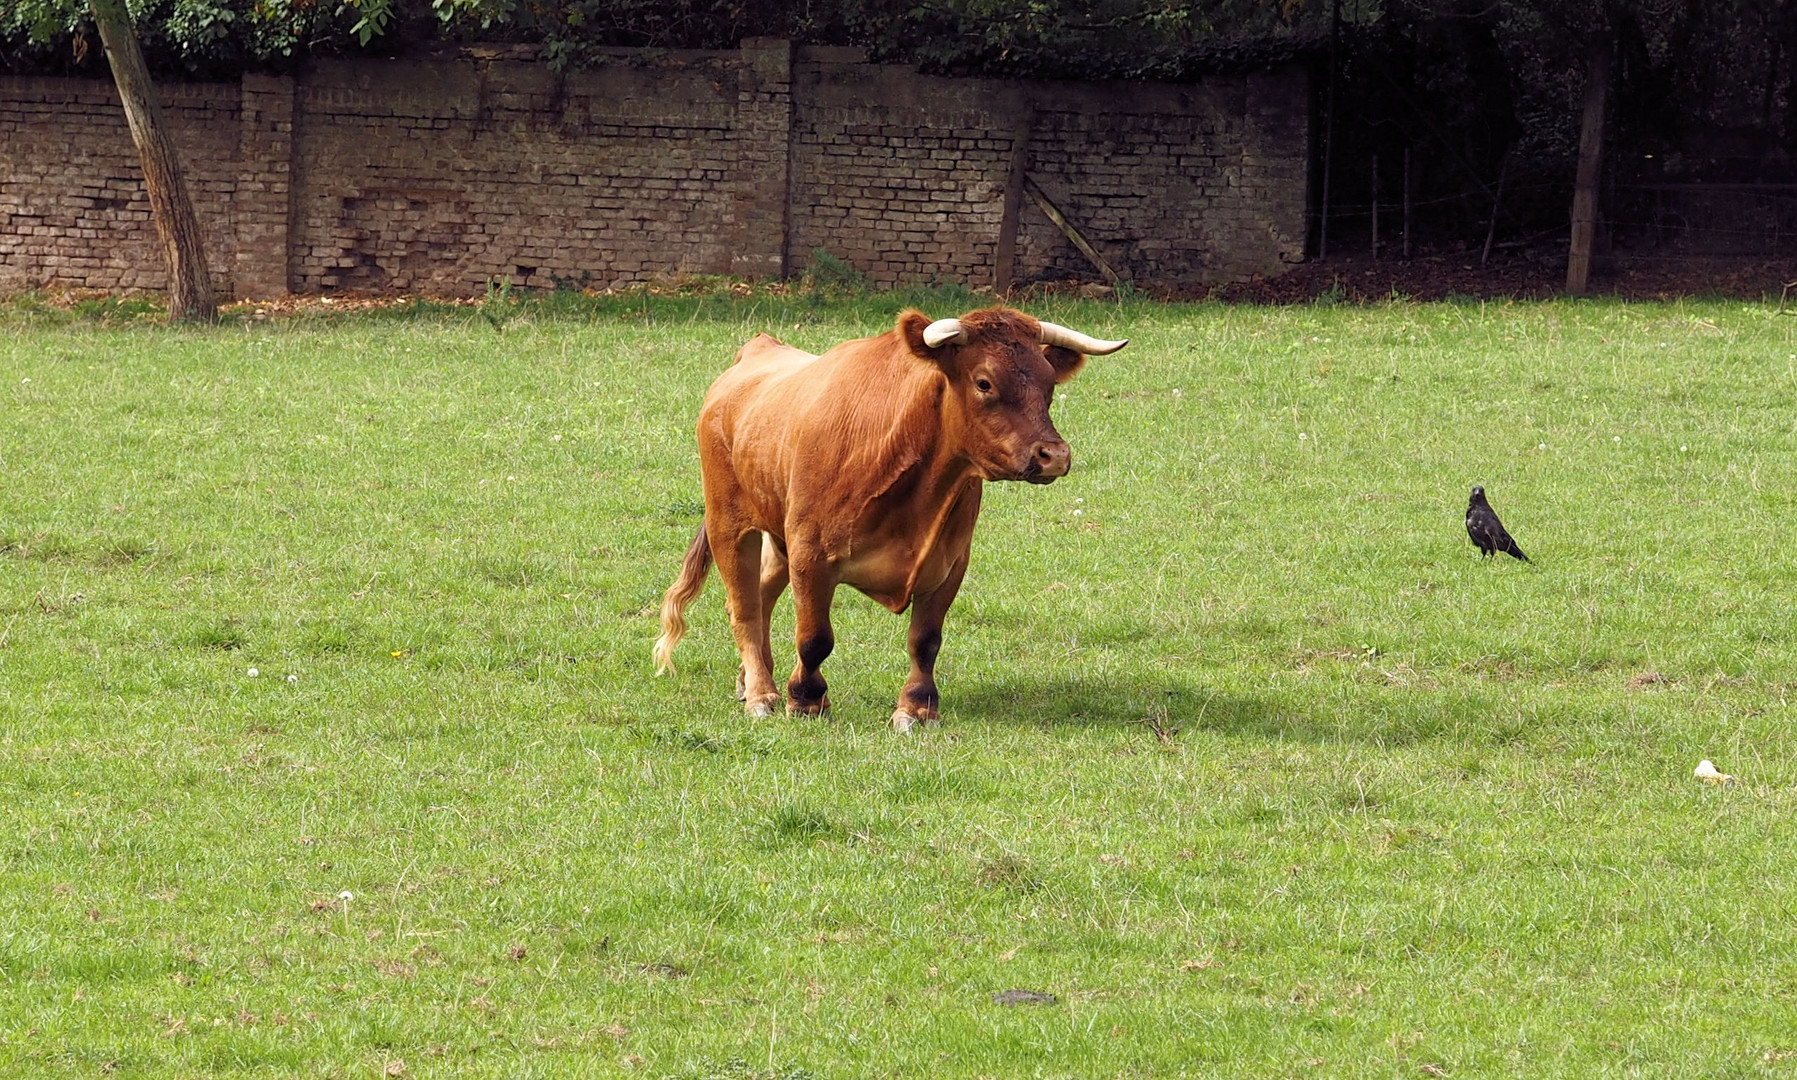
(1487, 531)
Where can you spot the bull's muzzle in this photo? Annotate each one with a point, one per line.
(1047, 461)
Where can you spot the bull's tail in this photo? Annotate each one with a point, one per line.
(685, 589)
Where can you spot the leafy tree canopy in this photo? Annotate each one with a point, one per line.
(1053, 38)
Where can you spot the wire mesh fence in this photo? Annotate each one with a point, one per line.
(1745, 219)
(1529, 216)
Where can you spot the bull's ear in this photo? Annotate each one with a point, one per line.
(909, 328)
(1066, 362)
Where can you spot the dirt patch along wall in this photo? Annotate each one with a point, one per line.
(444, 176)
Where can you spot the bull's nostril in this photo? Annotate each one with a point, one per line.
(1052, 458)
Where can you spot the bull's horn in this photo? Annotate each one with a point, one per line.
(1073, 339)
(944, 332)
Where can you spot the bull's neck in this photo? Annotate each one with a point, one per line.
(947, 465)
(924, 461)
(941, 475)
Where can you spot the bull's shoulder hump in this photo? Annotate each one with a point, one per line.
(764, 349)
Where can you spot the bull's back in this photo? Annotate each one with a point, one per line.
(761, 365)
(745, 426)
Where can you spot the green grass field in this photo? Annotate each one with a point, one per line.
(1246, 757)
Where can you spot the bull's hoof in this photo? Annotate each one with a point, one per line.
(808, 708)
(904, 721)
(762, 707)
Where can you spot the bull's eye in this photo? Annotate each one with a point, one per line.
(984, 386)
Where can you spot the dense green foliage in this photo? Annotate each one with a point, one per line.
(1057, 38)
(1247, 758)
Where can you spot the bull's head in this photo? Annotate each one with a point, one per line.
(1002, 368)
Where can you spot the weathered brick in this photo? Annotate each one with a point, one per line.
(431, 175)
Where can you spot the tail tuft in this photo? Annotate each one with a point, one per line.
(685, 589)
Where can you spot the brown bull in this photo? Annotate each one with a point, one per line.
(863, 467)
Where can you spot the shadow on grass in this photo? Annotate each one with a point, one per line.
(1382, 719)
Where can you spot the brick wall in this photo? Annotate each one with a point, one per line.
(72, 206)
(437, 176)
(1199, 182)
(902, 175)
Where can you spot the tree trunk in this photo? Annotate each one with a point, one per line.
(190, 286)
(1335, 34)
(1591, 158)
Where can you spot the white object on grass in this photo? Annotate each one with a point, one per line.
(1707, 772)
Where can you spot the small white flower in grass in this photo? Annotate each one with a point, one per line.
(23, 381)
(1302, 437)
(1681, 449)
(346, 896)
(1541, 446)
(292, 679)
(1175, 391)
(1615, 438)
(555, 438)
(1079, 513)
(511, 478)
(253, 673)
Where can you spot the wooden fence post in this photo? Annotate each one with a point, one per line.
(1591, 159)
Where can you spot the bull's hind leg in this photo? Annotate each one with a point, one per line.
(773, 583)
(739, 564)
(813, 588)
(918, 701)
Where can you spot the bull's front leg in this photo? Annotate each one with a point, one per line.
(813, 588)
(918, 701)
